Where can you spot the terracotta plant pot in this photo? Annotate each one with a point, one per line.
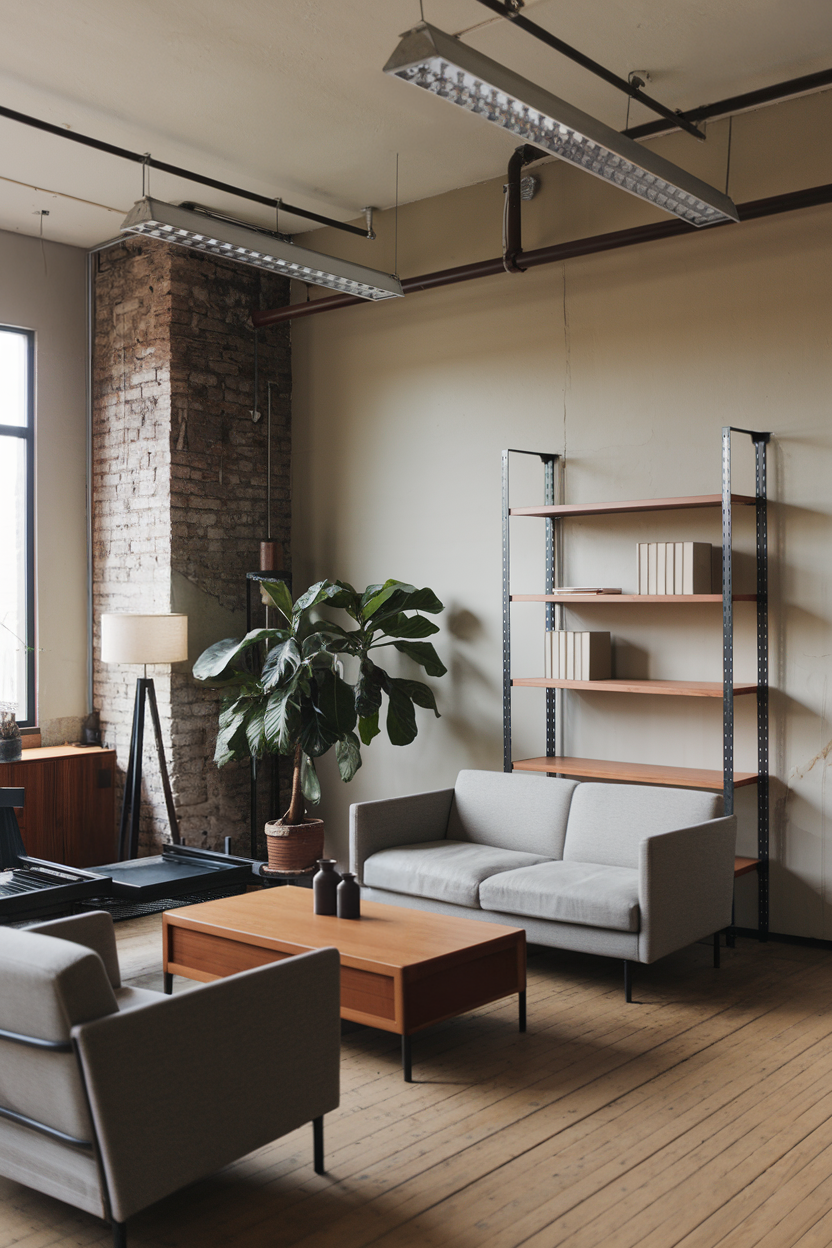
(294, 846)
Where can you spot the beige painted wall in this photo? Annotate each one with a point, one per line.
(629, 364)
(42, 288)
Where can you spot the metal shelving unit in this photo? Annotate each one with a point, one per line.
(554, 514)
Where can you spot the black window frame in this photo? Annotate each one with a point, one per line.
(27, 433)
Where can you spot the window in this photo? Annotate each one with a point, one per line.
(17, 546)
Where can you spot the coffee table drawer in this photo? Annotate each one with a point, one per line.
(199, 955)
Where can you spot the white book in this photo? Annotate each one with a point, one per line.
(696, 558)
(670, 569)
(596, 656)
(569, 673)
(678, 577)
(561, 655)
(579, 651)
(651, 567)
(661, 567)
(642, 567)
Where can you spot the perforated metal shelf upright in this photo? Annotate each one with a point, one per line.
(554, 513)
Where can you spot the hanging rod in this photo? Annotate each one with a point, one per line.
(187, 174)
(511, 11)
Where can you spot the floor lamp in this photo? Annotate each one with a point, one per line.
(143, 639)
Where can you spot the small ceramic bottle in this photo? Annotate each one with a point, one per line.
(349, 897)
(324, 887)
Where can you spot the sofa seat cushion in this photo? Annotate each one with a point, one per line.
(442, 870)
(568, 892)
(133, 998)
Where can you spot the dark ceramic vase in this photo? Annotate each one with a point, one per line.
(349, 897)
(325, 887)
(11, 749)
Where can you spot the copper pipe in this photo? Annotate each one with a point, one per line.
(751, 211)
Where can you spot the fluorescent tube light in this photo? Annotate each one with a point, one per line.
(448, 68)
(221, 238)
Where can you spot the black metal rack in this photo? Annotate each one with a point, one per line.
(252, 579)
(553, 514)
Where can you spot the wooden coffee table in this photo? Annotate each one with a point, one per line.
(401, 970)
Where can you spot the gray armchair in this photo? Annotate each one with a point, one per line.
(91, 1109)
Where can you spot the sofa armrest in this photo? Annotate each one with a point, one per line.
(397, 821)
(170, 1084)
(685, 886)
(95, 930)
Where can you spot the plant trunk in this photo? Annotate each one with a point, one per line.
(296, 812)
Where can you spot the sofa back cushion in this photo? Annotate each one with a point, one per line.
(607, 821)
(46, 987)
(511, 811)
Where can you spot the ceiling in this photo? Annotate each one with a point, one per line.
(287, 97)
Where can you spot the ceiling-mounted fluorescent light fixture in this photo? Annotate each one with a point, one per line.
(173, 224)
(448, 68)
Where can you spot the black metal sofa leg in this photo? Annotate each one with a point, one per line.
(119, 1234)
(716, 951)
(318, 1144)
(628, 981)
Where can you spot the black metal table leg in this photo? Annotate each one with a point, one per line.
(716, 951)
(521, 1009)
(407, 1062)
(168, 982)
(119, 1235)
(318, 1144)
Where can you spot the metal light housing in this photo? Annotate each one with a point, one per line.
(449, 69)
(174, 224)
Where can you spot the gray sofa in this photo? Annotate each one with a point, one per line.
(112, 1097)
(627, 871)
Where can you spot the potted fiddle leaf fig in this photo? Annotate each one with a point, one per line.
(287, 692)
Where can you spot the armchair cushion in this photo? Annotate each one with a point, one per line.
(568, 892)
(95, 930)
(442, 870)
(511, 811)
(608, 822)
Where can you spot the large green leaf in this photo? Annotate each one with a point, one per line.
(421, 694)
(346, 598)
(282, 662)
(282, 721)
(422, 652)
(309, 782)
(316, 737)
(231, 741)
(371, 681)
(348, 754)
(401, 625)
(401, 716)
(396, 596)
(383, 594)
(214, 662)
(322, 591)
(279, 593)
(336, 702)
(368, 727)
(255, 731)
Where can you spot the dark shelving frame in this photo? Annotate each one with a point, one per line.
(553, 513)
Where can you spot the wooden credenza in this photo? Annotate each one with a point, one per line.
(69, 814)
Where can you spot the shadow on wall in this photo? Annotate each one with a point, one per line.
(480, 734)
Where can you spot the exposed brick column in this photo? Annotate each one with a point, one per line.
(179, 497)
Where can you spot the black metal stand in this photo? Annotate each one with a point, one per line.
(521, 1010)
(628, 981)
(128, 832)
(407, 1059)
(254, 578)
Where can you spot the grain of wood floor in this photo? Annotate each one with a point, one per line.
(699, 1116)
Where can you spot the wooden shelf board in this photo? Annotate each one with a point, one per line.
(679, 688)
(642, 504)
(565, 599)
(638, 773)
(743, 865)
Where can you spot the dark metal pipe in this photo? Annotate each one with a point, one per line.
(739, 103)
(629, 88)
(512, 238)
(188, 174)
(812, 197)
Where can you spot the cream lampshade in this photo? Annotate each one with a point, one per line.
(144, 638)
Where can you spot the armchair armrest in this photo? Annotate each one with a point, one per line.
(396, 821)
(95, 930)
(685, 885)
(163, 1120)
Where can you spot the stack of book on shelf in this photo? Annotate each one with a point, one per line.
(584, 589)
(674, 567)
(577, 656)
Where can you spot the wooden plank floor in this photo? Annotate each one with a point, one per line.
(699, 1116)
